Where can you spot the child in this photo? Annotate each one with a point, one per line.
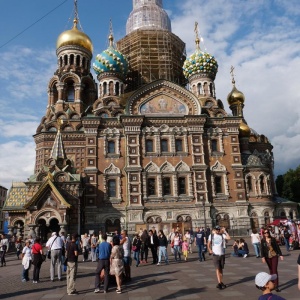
(185, 248)
(264, 282)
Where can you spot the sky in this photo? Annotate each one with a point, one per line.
(260, 38)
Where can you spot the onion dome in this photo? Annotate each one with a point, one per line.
(200, 63)
(111, 60)
(74, 37)
(244, 130)
(235, 96)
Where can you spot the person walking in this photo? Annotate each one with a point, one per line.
(18, 246)
(126, 243)
(144, 247)
(104, 252)
(93, 247)
(162, 250)
(255, 240)
(177, 245)
(72, 265)
(85, 246)
(37, 259)
(55, 245)
(153, 244)
(116, 263)
(215, 247)
(185, 248)
(286, 235)
(26, 261)
(3, 249)
(270, 251)
(136, 248)
(200, 242)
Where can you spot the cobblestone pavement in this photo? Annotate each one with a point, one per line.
(179, 280)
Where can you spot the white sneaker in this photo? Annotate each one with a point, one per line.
(245, 255)
(158, 264)
(97, 291)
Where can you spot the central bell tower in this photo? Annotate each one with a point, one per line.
(153, 51)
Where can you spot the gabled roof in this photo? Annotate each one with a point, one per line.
(47, 184)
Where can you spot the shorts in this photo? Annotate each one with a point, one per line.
(219, 261)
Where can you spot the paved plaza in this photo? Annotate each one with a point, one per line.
(182, 280)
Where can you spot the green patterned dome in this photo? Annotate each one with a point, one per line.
(200, 63)
(111, 60)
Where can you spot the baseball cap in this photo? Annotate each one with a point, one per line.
(262, 278)
(217, 227)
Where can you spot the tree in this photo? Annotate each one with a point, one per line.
(288, 185)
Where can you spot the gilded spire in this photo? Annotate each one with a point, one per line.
(111, 35)
(75, 14)
(232, 75)
(197, 40)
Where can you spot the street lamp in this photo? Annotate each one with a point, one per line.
(204, 212)
(80, 194)
(232, 220)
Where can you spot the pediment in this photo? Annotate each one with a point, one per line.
(162, 98)
(47, 196)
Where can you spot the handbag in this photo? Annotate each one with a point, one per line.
(134, 248)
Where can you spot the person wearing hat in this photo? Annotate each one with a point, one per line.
(215, 246)
(26, 261)
(265, 283)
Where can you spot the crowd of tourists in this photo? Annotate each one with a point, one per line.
(115, 253)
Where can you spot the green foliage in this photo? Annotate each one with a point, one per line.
(288, 185)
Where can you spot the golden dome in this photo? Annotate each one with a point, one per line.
(74, 37)
(244, 130)
(235, 97)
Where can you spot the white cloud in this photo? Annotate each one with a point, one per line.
(262, 41)
(17, 161)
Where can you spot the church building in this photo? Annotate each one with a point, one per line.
(145, 142)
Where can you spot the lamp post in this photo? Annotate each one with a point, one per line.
(204, 212)
(80, 194)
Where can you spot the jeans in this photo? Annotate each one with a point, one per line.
(256, 247)
(200, 252)
(287, 244)
(177, 252)
(242, 252)
(102, 264)
(163, 252)
(136, 256)
(25, 274)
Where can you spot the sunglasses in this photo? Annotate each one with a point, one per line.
(267, 232)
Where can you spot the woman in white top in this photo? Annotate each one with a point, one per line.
(255, 239)
(26, 260)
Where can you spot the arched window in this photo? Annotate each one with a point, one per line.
(249, 184)
(111, 147)
(111, 188)
(210, 89)
(84, 62)
(65, 60)
(149, 145)
(117, 89)
(72, 59)
(181, 186)
(178, 145)
(214, 145)
(218, 185)
(104, 88)
(199, 89)
(164, 145)
(166, 185)
(70, 92)
(262, 184)
(151, 188)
